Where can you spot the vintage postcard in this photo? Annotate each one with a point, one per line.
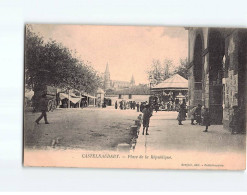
(150, 97)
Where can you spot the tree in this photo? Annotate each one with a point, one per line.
(53, 64)
(168, 63)
(155, 71)
(159, 72)
(182, 69)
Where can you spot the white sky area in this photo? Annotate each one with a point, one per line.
(127, 49)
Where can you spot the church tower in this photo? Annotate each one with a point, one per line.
(132, 81)
(107, 79)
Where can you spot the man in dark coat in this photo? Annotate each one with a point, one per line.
(147, 113)
(183, 108)
(141, 106)
(180, 115)
(206, 119)
(138, 106)
(43, 108)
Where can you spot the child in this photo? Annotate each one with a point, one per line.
(140, 119)
(206, 119)
(139, 123)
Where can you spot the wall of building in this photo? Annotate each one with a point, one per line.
(220, 91)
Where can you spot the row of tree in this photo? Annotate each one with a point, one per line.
(158, 71)
(51, 63)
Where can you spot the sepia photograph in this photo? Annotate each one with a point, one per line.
(139, 97)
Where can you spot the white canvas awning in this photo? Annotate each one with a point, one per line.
(74, 100)
(63, 96)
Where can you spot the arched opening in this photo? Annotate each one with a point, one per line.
(242, 74)
(197, 70)
(216, 46)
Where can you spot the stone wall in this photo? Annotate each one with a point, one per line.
(218, 95)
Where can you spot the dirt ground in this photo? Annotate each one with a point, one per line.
(88, 128)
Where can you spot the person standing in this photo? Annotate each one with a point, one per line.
(184, 111)
(134, 105)
(156, 107)
(198, 114)
(116, 105)
(121, 105)
(131, 105)
(124, 105)
(180, 115)
(138, 106)
(206, 119)
(147, 113)
(168, 106)
(43, 108)
(192, 113)
(141, 106)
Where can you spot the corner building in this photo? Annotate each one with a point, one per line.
(217, 71)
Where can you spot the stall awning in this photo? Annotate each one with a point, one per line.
(87, 95)
(63, 96)
(74, 100)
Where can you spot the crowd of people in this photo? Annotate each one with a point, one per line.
(198, 113)
(133, 105)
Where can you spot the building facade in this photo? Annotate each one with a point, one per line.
(217, 71)
(116, 84)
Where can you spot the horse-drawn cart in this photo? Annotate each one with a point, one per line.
(51, 97)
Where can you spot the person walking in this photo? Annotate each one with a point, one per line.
(43, 108)
(116, 105)
(206, 119)
(147, 113)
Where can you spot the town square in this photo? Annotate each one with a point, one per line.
(135, 89)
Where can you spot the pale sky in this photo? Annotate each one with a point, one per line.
(127, 49)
